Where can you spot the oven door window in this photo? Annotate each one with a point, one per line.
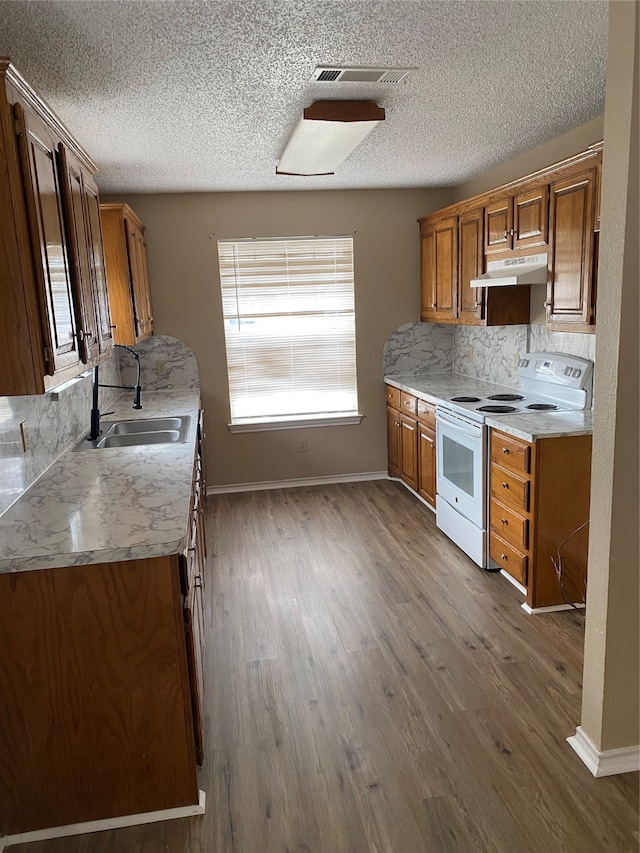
(458, 465)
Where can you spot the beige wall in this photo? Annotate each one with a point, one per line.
(186, 303)
(612, 665)
(545, 155)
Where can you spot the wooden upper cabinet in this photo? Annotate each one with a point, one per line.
(571, 293)
(427, 272)
(48, 247)
(470, 263)
(85, 238)
(531, 218)
(127, 273)
(498, 226)
(439, 269)
(517, 221)
(51, 264)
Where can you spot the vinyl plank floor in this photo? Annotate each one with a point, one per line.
(370, 690)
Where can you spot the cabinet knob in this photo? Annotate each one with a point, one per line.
(503, 557)
(504, 521)
(113, 326)
(505, 485)
(505, 450)
(433, 304)
(547, 304)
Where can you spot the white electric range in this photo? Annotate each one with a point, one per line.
(549, 382)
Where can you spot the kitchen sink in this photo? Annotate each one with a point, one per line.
(138, 433)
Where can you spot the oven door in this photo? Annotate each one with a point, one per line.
(461, 477)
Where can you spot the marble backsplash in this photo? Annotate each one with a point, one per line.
(489, 353)
(56, 420)
(418, 348)
(166, 364)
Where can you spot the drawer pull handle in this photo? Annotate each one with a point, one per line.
(505, 449)
(505, 485)
(504, 521)
(504, 556)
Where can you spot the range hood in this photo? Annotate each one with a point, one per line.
(510, 271)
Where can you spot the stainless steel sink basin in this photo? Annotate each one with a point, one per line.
(136, 439)
(138, 433)
(145, 425)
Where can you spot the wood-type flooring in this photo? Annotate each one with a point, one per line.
(370, 690)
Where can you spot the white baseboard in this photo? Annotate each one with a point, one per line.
(552, 608)
(293, 484)
(102, 825)
(606, 762)
(516, 583)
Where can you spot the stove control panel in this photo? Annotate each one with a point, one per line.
(568, 371)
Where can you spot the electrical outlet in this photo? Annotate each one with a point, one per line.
(161, 368)
(24, 435)
(302, 445)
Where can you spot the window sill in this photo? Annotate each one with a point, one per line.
(265, 424)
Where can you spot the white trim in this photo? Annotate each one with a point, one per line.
(552, 608)
(103, 825)
(292, 484)
(512, 580)
(294, 423)
(606, 762)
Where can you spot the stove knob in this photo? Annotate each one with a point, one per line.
(567, 371)
(576, 372)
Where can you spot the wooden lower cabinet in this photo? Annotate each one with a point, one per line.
(411, 442)
(427, 464)
(539, 498)
(96, 716)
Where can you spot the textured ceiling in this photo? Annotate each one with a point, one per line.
(191, 96)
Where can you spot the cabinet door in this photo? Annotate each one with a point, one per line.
(427, 464)
(393, 442)
(470, 254)
(409, 451)
(194, 661)
(531, 218)
(427, 274)
(38, 156)
(96, 252)
(570, 293)
(139, 279)
(446, 267)
(498, 226)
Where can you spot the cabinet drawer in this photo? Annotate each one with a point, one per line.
(393, 397)
(510, 452)
(408, 403)
(510, 526)
(508, 558)
(509, 489)
(427, 413)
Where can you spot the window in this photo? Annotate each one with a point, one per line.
(289, 325)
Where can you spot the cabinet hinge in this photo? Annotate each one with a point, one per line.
(47, 354)
(17, 127)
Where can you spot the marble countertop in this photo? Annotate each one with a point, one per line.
(437, 387)
(96, 506)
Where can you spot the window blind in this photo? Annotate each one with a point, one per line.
(289, 325)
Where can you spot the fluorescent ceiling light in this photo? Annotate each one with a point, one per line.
(325, 136)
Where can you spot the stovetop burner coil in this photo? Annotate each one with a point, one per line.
(465, 399)
(498, 410)
(541, 407)
(507, 397)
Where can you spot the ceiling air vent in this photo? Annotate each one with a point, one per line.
(331, 74)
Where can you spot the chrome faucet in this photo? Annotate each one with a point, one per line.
(94, 432)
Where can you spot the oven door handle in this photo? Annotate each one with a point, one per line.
(459, 425)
